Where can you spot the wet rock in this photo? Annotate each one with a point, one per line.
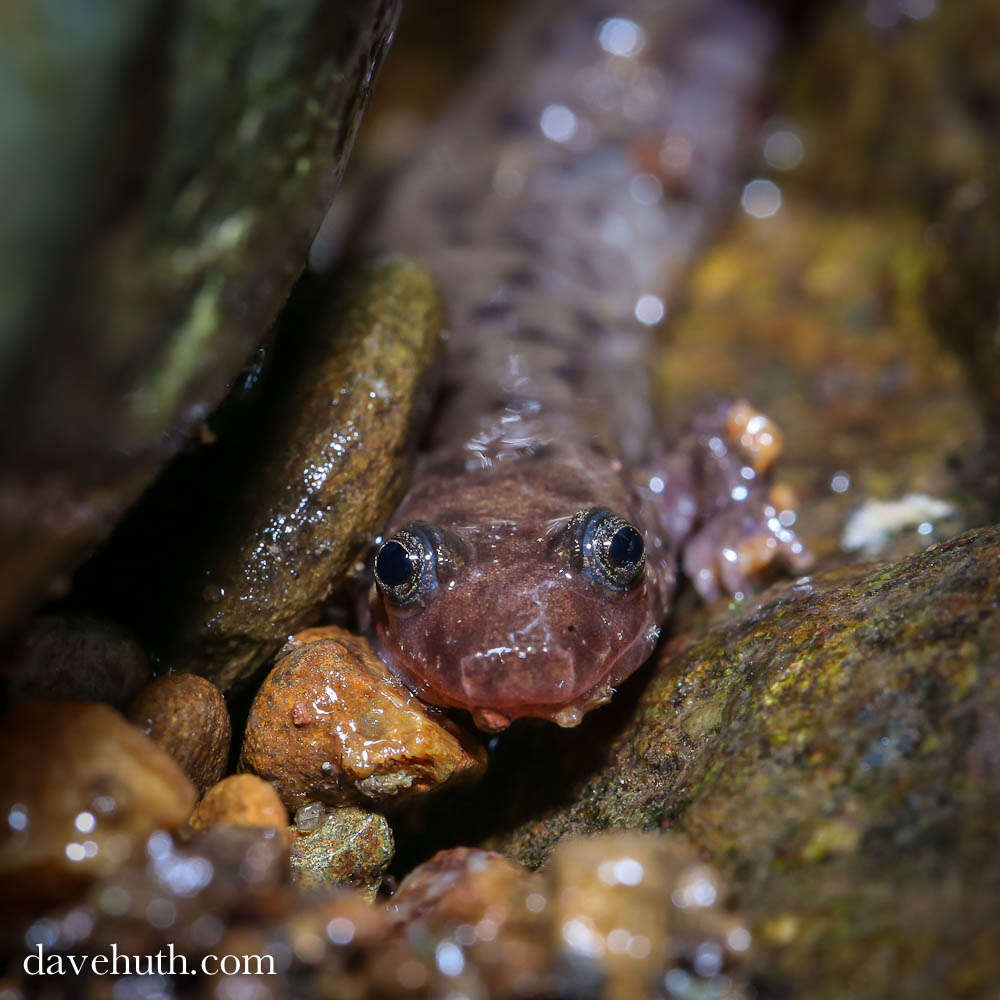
(331, 723)
(833, 749)
(241, 800)
(467, 922)
(79, 788)
(172, 167)
(312, 455)
(188, 892)
(186, 716)
(74, 658)
(483, 917)
(623, 915)
(646, 917)
(349, 847)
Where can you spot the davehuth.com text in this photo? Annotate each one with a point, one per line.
(164, 963)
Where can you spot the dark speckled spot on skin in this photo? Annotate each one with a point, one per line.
(452, 205)
(519, 240)
(513, 119)
(570, 373)
(521, 277)
(531, 335)
(492, 310)
(588, 325)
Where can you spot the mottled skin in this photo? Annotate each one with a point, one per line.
(544, 246)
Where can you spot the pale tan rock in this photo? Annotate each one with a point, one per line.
(241, 800)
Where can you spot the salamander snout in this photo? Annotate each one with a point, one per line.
(508, 619)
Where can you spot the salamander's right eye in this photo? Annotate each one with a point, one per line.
(406, 566)
(394, 565)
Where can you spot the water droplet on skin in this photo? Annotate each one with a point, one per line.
(85, 822)
(620, 36)
(784, 149)
(558, 123)
(761, 198)
(649, 309)
(17, 817)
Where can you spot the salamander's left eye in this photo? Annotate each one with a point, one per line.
(406, 566)
(612, 550)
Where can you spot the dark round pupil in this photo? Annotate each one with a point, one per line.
(393, 564)
(626, 546)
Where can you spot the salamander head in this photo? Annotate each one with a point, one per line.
(512, 618)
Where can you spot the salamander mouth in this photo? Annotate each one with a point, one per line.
(493, 715)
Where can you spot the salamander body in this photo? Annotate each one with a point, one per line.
(532, 563)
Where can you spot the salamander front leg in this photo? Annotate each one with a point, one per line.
(725, 523)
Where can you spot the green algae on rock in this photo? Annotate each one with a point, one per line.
(251, 532)
(172, 164)
(833, 748)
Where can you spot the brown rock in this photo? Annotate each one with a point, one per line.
(186, 716)
(313, 454)
(331, 723)
(489, 916)
(79, 788)
(241, 800)
(349, 847)
(636, 908)
(74, 657)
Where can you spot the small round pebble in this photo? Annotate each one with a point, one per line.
(186, 716)
(241, 800)
(74, 658)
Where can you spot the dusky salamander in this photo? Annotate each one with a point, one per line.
(535, 557)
